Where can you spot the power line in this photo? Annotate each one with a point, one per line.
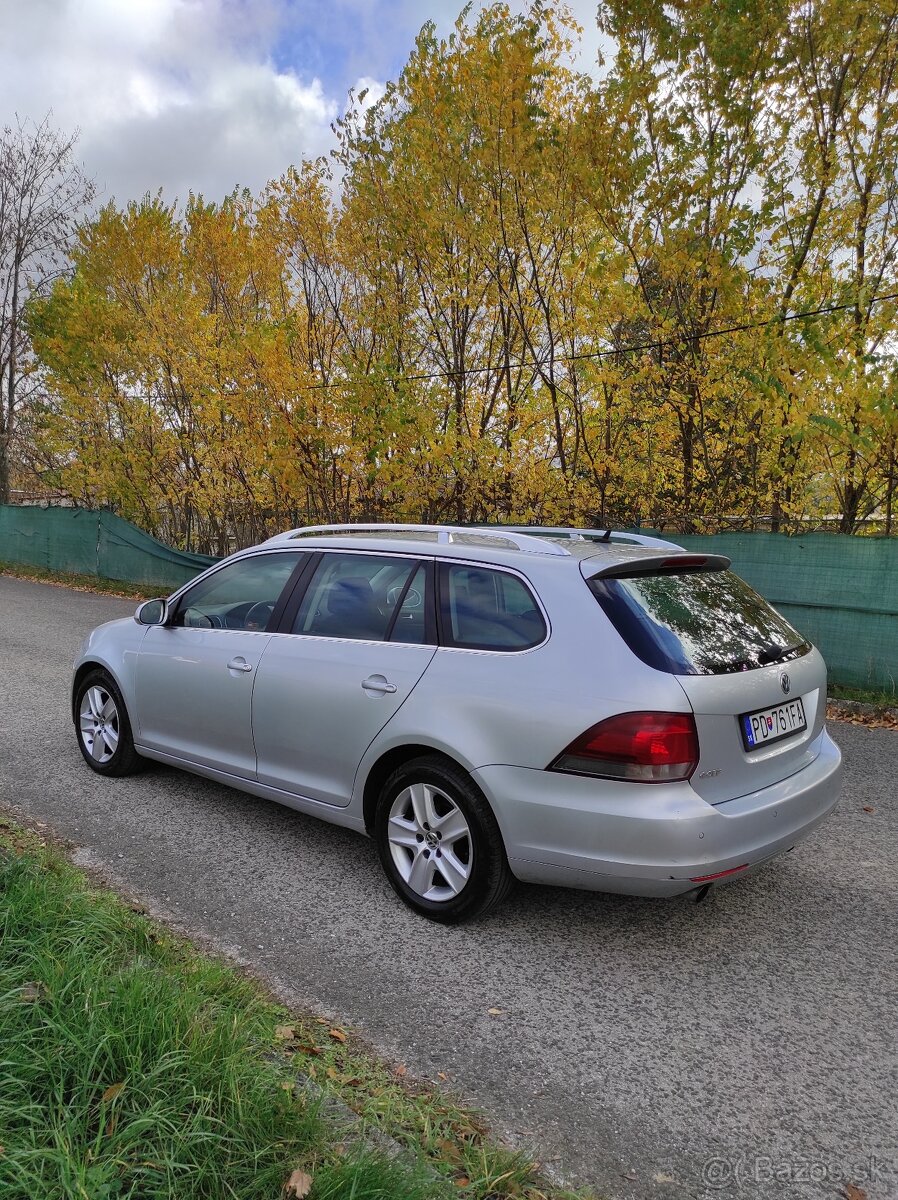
(658, 346)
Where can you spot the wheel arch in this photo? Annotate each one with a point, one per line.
(82, 670)
(390, 761)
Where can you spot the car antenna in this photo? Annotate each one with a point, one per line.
(606, 536)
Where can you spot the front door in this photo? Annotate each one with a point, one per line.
(195, 675)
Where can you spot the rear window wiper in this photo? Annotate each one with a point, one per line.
(772, 653)
(729, 666)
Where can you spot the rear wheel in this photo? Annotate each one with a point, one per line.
(439, 842)
(104, 731)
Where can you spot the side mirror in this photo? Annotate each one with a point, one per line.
(152, 612)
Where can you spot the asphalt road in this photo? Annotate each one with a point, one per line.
(742, 1047)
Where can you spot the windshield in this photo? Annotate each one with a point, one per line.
(701, 623)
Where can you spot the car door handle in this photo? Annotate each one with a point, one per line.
(239, 664)
(377, 683)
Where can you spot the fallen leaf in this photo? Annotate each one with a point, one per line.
(662, 1177)
(284, 1033)
(462, 1181)
(850, 1192)
(304, 1049)
(298, 1185)
(287, 1086)
(400, 1071)
(337, 1034)
(449, 1149)
(868, 809)
(496, 1012)
(333, 1073)
(112, 1091)
(442, 1075)
(30, 993)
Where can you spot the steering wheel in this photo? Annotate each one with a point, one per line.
(258, 616)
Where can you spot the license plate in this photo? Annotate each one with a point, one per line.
(769, 725)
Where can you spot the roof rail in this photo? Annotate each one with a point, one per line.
(518, 539)
(597, 535)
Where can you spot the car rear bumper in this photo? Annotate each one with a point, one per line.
(653, 840)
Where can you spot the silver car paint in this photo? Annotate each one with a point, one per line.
(503, 716)
(190, 703)
(314, 717)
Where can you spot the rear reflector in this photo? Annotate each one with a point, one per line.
(639, 747)
(719, 875)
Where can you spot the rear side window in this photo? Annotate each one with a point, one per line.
(483, 609)
(701, 623)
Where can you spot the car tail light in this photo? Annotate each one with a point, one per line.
(644, 747)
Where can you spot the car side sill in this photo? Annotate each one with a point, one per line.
(315, 808)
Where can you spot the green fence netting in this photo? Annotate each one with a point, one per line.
(93, 543)
(840, 591)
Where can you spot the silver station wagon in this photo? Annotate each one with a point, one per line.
(570, 707)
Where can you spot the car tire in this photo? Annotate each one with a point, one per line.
(102, 727)
(439, 842)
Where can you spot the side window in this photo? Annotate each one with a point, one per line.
(482, 609)
(241, 595)
(355, 596)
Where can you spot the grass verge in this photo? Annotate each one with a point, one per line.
(133, 1066)
(85, 583)
(880, 698)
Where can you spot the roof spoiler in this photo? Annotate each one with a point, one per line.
(656, 564)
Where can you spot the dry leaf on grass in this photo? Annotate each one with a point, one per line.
(337, 1034)
(875, 718)
(112, 1091)
(31, 993)
(298, 1185)
(400, 1070)
(284, 1033)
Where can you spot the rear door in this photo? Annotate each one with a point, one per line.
(350, 652)
(756, 686)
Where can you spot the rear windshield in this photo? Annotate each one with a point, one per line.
(701, 623)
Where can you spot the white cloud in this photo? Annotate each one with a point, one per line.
(173, 93)
(205, 95)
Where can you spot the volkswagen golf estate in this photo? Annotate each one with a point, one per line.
(571, 707)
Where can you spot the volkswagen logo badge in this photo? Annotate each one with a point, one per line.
(785, 683)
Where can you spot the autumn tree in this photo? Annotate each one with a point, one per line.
(42, 193)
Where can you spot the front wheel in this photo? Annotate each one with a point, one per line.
(103, 728)
(439, 842)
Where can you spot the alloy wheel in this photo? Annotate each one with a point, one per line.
(430, 842)
(99, 724)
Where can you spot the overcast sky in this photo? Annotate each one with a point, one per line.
(203, 95)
